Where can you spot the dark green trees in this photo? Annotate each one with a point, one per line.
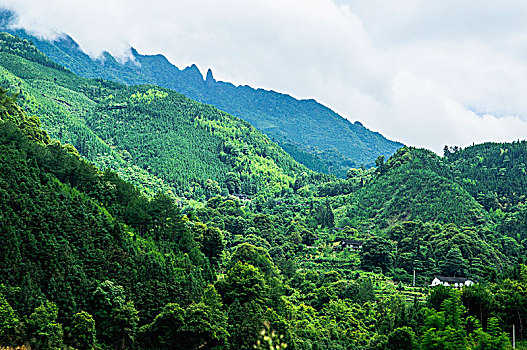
(454, 264)
(163, 332)
(68, 237)
(201, 325)
(376, 252)
(116, 319)
(246, 294)
(452, 329)
(492, 339)
(324, 215)
(402, 338)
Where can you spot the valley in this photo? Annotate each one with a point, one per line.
(135, 217)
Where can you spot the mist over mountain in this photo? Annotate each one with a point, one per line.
(312, 133)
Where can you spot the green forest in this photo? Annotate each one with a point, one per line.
(315, 136)
(132, 217)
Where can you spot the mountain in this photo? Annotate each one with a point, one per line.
(494, 173)
(87, 261)
(415, 184)
(479, 185)
(154, 137)
(313, 130)
(84, 240)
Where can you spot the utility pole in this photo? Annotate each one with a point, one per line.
(513, 336)
(413, 285)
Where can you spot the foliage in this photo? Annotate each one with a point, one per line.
(9, 323)
(269, 339)
(43, 328)
(313, 134)
(82, 331)
(153, 137)
(88, 261)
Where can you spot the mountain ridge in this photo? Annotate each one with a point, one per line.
(309, 125)
(153, 137)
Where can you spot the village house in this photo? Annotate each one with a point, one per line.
(456, 282)
(242, 197)
(349, 244)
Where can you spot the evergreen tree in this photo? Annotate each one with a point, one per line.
(9, 324)
(454, 263)
(42, 325)
(82, 331)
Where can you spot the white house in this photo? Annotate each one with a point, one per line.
(355, 245)
(456, 282)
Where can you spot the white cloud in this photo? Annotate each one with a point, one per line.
(427, 73)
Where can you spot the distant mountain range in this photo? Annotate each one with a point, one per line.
(309, 131)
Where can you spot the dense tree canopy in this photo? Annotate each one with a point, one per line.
(222, 241)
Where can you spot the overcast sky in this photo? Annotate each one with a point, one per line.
(426, 73)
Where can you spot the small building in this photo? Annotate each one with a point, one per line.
(346, 243)
(242, 197)
(456, 282)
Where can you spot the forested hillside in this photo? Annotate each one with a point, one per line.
(75, 237)
(154, 137)
(308, 125)
(494, 173)
(220, 240)
(88, 262)
(412, 185)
